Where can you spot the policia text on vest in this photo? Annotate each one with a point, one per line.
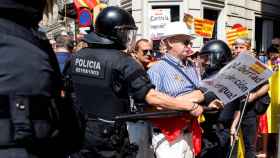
(89, 67)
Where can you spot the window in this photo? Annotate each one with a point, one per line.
(211, 14)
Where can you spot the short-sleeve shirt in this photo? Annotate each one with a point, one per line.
(171, 81)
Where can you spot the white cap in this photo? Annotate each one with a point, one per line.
(177, 29)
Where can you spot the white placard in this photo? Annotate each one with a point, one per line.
(237, 78)
(159, 18)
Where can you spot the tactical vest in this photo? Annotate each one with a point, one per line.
(100, 88)
(32, 113)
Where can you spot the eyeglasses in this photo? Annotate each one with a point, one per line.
(147, 52)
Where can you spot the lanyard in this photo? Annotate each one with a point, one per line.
(181, 71)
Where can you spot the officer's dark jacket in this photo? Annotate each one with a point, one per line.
(28, 69)
(25, 68)
(103, 78)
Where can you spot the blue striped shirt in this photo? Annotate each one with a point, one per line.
(169, 80)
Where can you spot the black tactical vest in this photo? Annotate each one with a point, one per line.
(98, 82)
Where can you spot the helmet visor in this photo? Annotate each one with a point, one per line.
(127, 37)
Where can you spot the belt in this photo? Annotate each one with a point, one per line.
(39, 107)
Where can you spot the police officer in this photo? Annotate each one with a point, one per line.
(213, 56)
(30, 87)
(103, 78)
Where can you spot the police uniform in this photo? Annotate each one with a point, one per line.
(30, 87)
(102, 81)
(216, 137)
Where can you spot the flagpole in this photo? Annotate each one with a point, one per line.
(238, 126)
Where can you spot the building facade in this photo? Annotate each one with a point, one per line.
(261, 17)
(53, 23)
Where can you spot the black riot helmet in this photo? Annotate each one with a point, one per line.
(23, 11)
(117, 25)
(218, 54)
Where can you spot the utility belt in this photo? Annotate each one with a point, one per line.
(110, 135)
(24, 119)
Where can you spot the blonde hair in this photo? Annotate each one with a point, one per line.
(243, 41)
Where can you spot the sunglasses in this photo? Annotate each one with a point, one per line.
(188, 43)
(147, 52)
(185, 42)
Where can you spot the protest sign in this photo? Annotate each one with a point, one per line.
(237, 78)
(159, 18)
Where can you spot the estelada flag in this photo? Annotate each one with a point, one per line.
(204, 27)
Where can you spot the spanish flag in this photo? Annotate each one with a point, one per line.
(204, 27)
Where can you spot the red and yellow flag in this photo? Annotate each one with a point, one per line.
(258, 67)
(95, 6)
(90, 4)
(204, 27)
(236, 32)
(231, 36)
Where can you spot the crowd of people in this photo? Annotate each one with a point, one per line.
(62, 99)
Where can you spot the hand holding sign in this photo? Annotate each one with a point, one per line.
(237, 78)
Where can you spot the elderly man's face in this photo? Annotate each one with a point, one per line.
(144, 52)
(181, 48)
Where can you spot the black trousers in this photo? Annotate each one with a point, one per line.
(249, 131)
(215, 143)
(15, 153)
(103, 141)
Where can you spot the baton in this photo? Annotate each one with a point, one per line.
(157, 114)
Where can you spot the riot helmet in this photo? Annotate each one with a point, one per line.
(117, 25)
(218, 54)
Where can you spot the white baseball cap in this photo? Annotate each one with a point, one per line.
(177, 29)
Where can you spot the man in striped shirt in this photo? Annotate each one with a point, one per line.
(175, 76)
